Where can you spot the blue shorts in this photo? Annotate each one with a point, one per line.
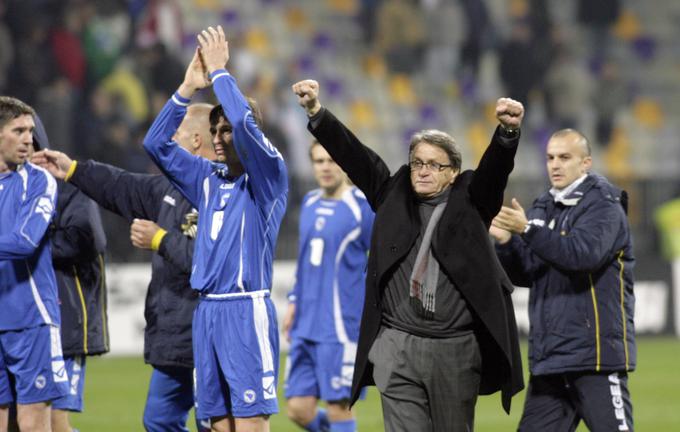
(236, 356)
(323, 370)
(33, 357)
(75, 368)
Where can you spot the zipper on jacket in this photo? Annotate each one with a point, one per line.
(83, 306)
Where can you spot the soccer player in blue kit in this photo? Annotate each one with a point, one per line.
(241, 201)
(326, 302)
(30, 344)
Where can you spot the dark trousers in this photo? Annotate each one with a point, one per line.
(559, 402)
(426, 384)
(170, 398)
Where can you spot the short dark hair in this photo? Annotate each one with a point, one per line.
(11, 108)
(314, 143)
(218, 112)
(439, 139)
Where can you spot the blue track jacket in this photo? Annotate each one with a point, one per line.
(577, 257)
(28, 290)
(170, 302)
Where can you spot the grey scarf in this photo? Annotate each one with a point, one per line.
(425, 274)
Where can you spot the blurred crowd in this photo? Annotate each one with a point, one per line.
(97, 72)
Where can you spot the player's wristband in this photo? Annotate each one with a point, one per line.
(71, 170)
(157, 238)
(216, 74)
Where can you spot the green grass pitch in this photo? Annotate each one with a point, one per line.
(115, 390)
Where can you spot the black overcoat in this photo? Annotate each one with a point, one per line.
(461, 244)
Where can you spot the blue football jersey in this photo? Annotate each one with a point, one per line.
(239, 217)
(335, 236)
(28, 288)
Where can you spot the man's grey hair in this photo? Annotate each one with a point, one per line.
(11, 108)
(439, 139)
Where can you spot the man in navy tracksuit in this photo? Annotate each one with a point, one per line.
(78, 245)
(163, 221)
(574, 249)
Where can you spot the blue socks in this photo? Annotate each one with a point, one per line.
(344, 426)
(320, 422)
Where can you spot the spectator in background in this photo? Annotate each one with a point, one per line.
(567, 89)
(105, 36)
(6, 50)
(611, 95)
(401, 35)
(574, 249)
(33, 63)
(324, 309)
(518, 69)
(368, 10)
(477, 27)
(67, 47)
(78, 245)
(597, 18)
(160, 72)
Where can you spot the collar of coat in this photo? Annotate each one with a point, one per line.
(593, 180)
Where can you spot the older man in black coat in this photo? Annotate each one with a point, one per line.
(438, 325)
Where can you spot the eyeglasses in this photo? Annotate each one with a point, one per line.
(417, 164)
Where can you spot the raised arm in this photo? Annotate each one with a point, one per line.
(363, 166)
(491, 176)
(261, 160)
(33, 219)
(186, 171)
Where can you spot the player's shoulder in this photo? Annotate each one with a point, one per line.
(312, 197)
(38, 177)
(357, 193)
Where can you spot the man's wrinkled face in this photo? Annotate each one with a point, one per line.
(327, 173)
(567, 160)
(431, 170)
(16, 138)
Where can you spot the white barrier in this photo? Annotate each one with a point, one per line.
(127, 286)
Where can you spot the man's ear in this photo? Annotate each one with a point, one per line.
(454, 176)
(588, 163)
(196, 142)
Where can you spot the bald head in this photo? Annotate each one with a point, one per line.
(194, 132)
(567, 157)
(576, 138)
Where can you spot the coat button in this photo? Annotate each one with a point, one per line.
(393, 248)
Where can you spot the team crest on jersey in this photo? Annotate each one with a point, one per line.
(320, 223)
(249, 396)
